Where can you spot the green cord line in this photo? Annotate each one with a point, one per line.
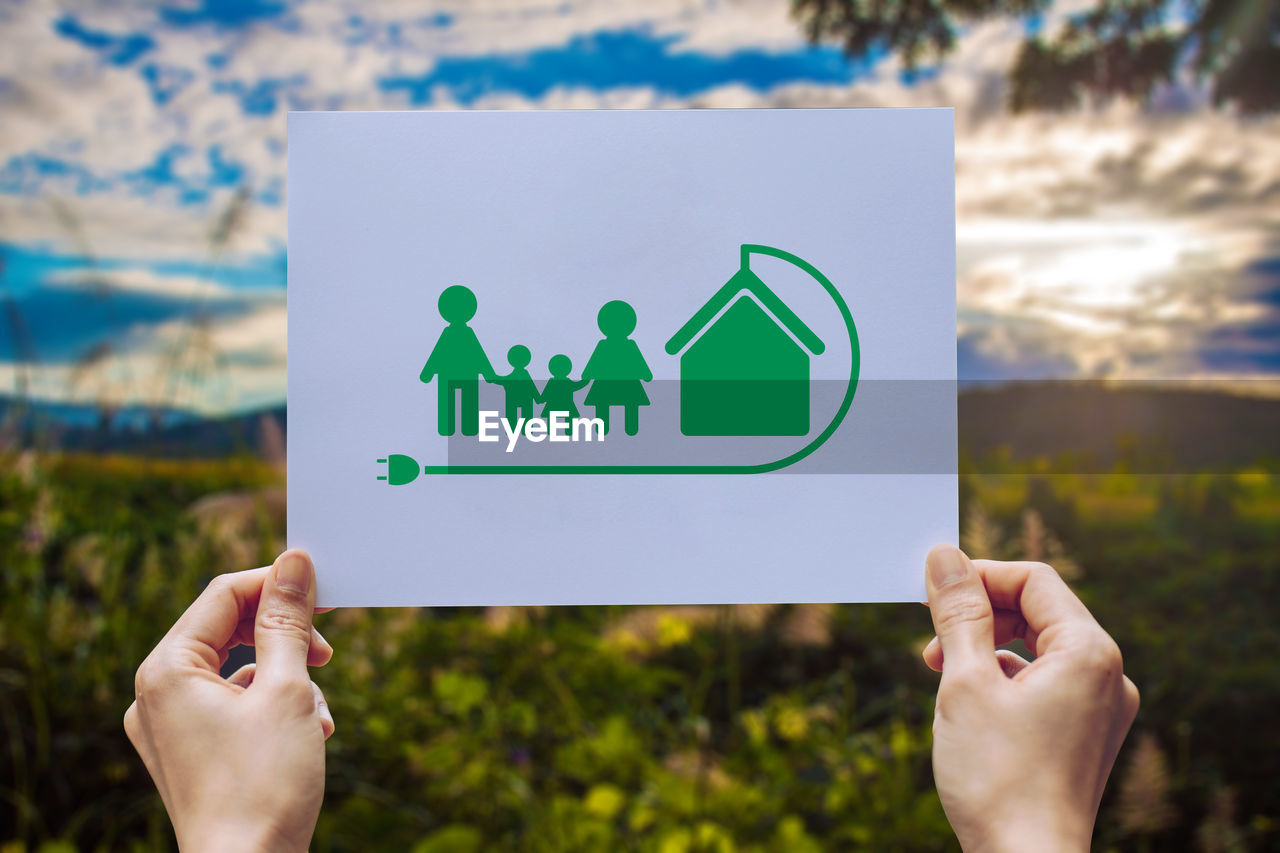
(748, 249)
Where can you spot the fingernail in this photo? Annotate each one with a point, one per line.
(321, 638)
(293, 573)
(946, 566)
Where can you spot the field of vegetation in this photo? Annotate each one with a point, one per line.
(770, 728)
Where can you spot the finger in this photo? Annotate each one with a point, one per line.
(1011, 663)
(932, 655)
(318, 654)
(282, 630)
(209, 623)
(1042, 597)
(131, 726)
(243, 676)
(243, 635)
(1132, 701)
(1009, 626)
(322, 710)
(962, 614)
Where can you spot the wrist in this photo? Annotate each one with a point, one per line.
(231, 835)
(1048, 833)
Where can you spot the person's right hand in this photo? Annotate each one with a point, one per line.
(239, 761)
(1021, 751)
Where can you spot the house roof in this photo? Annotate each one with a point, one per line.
(745, 279)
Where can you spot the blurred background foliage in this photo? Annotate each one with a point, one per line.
(637, 728)
(1105, 50)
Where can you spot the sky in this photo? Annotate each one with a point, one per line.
(143, 152)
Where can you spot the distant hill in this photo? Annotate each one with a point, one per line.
(135, 431)
(1151, 429)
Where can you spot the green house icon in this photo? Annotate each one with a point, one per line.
(745, 363)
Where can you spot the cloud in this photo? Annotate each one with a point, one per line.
(142, 227)
(146, 281)
(155, 138)
(1109, 296)
(1116, 241)
(1135, 242)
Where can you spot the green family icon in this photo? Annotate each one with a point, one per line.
(744, 371)
(615, 371)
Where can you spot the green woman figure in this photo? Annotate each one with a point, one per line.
(616, 367)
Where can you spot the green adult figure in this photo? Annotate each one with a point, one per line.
(458, 361)
(616, 368)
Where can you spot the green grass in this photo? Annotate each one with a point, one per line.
(666, 729)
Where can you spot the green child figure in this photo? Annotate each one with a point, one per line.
(616, 367)
(458, 361)
(519, 386)
(558, 392)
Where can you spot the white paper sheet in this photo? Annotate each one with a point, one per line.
(842, 326)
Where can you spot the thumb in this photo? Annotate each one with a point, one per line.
(961, 611)
(282, 628)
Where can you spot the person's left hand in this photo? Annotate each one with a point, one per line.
(239, 761)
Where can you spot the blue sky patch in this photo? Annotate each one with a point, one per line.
(223, 172)
(623, 58)
(32, 174)
(64, 323)
(27, 174)
(115, 49)
(920, 74)
(440, 20)
(975, 365)
(27, 268)
(165, 81)
(261, 98)
(1251, 346)
(1250, 352)
(222, 13)
(160, 171)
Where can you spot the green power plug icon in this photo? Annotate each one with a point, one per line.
(401, 469)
